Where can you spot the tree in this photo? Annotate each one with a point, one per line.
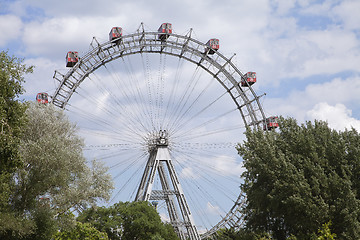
(54, 176)
(55, 170)
(12, 120)
(55, 166)
(240, 234)
(231, 234)
(300, 177)
(325, 233)
(42, 171)
(136, 220)
(141, 221)
(105, 219)
(12, 71)
(82, 231)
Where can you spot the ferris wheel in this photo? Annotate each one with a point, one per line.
(164, 112)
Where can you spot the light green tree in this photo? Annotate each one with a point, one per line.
(82, 231)
(55, 176)
(54, 166)
(325, 233)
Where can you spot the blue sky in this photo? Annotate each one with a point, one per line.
(306, 53)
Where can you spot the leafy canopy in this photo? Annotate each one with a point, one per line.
(55, 168)
(299, 177)
(12, 120)
(135, 220)
(82, 231)
(54, 176)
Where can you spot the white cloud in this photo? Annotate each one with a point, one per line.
(333, 40)
(298, 102)
(347, 12)
(228, 165)
(337, 116)
(56, 36)
(10, 28)
(283, 6)
(41, 80)
(325, 52)
(322, 9)
(305, 53)
(289, 50)
(338, 90)
(268, 40)
(211, 209)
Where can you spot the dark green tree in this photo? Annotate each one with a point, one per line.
(141, 221)
(231, 234)
(241, 234)
(300, 177)
(12, 71)
(12, 120)
(105, 219)
(45, 224)
(136, 220)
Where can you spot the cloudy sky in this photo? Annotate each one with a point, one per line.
(306, 53)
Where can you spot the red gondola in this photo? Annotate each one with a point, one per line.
(271, 123)
(212, 46)
(115, 33)
(165, 28)
(71, 59)
(42, 98)
(249, 79)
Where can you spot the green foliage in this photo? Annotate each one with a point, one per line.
(136, 220)
(82, 231)
(40, 158)
(12, 71)
(301, 176)
(241, 234)
(141, 221)
(53, 178)
(109, 220)
(54, 164)
(14, 227)
(12, 120)
(325, 233)
(231, 234)
(45, 223)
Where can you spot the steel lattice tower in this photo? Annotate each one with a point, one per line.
(160, 163)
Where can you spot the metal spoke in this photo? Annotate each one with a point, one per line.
(194, 98)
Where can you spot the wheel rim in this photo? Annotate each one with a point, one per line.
(186, 51)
